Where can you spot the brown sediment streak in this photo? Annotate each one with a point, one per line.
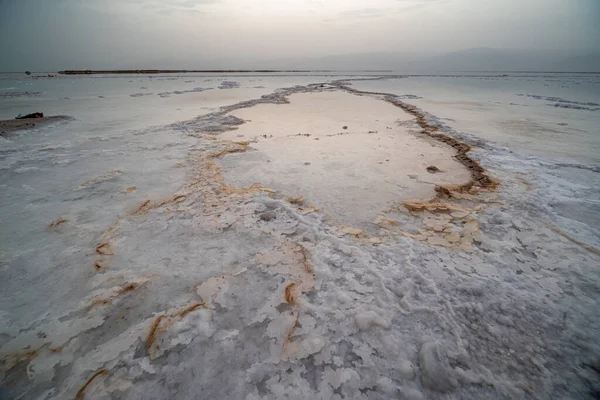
(169, 320)
(13, 359)
(100, 178)
(129, 287)
(351, 231)
(290, 296)
(129, 190)
(572, 239)
(433, 206)
(307, 210)
(451, 190)
(296, 200)
(241, 147)
(288, 337)
(478, 174)
(148, 205)
(99, 265)
(255, 187)
(189, 309)
(152, 334)
(105, 249)
(111, 230)
(528, 185)
(81, 391)
(210, 173)
(305, 262)
(57, 222)
(173, 199)
(104, 246)
(213, 171)
(144, 206)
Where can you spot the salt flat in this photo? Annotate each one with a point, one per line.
(162, 247)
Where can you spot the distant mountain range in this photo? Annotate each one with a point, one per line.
(472, 60)
(586, 63)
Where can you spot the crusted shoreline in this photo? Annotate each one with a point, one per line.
(480, 177)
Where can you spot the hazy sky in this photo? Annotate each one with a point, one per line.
(54, 34)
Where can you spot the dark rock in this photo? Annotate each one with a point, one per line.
(268, 215)
(32, 115)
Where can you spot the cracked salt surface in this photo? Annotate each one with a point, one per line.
(215, 291)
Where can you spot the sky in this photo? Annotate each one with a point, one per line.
(47, 35)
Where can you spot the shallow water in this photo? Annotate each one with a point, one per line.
(345, 154)
(525, 113)
(125, 257)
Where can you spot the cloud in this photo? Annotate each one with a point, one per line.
(420, 2)
(408, 5)
(398, 6)
(365, 13)
(176, 5)
(157, 6)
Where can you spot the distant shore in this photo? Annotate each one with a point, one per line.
(176, 71)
